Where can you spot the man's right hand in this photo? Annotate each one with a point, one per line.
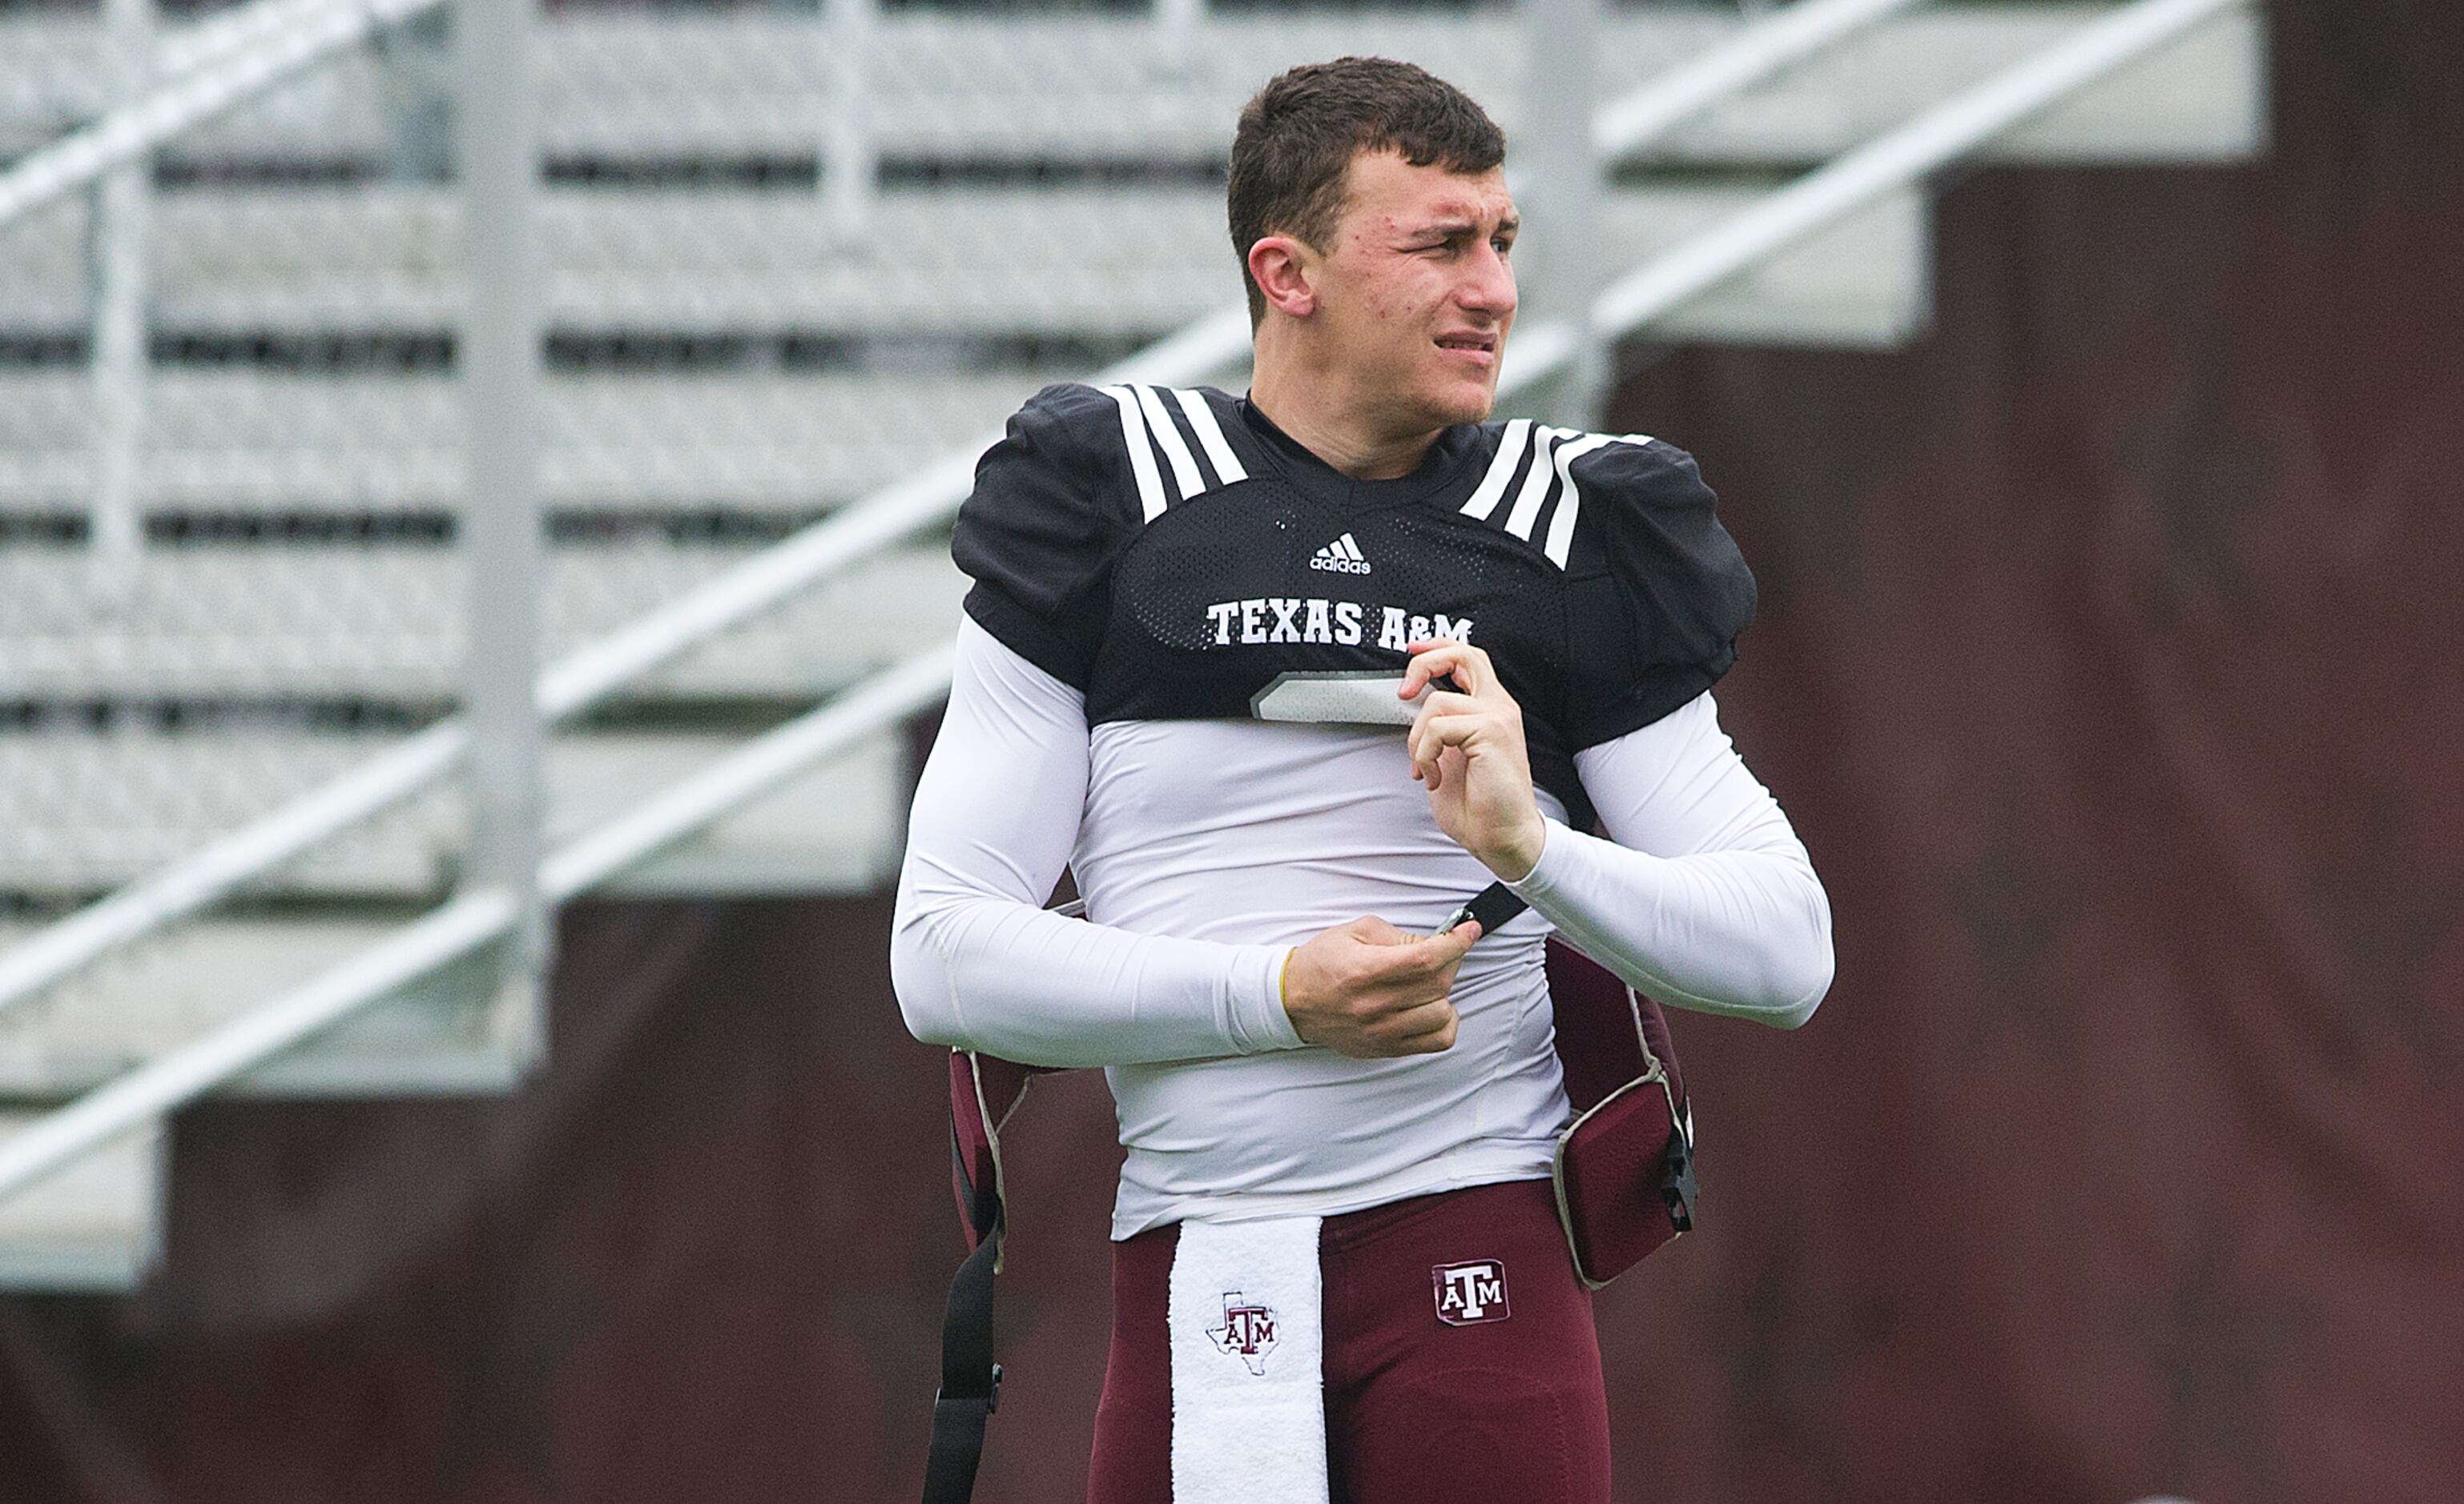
(1369, 990)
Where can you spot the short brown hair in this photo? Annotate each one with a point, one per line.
(1297, 137)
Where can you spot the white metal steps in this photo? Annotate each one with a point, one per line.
(81, 811)
(238, 440)
(96, 1226)
(449, 1033)
(1113, 263)
(1058, 87)
(383, 622)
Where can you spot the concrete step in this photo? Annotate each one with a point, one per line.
(84, 810)
(2203, 99)
(1082, 262)
(384, 623)
(96, 1227)
(242, 441)
(685, 83)
(457, 1031)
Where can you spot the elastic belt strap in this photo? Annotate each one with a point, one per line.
(969, 1379)
(1492, 906)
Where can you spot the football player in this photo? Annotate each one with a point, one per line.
(1284, 678)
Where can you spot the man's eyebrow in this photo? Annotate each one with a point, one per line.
(1465, 224)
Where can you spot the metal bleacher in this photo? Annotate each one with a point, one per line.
(726, 363)
(1071, 85)
(1098, 262)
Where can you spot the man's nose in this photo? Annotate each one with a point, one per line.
(1488, 286)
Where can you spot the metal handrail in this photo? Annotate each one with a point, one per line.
(240, 59)
(1899, 157)
(1856, 179)
(923, 499)
(225, 33)
(467, 923)
(1772, 42)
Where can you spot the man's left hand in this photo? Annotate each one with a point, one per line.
(1467, 747)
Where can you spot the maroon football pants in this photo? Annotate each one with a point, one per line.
(1508, 1409)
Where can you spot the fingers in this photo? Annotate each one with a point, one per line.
(1409, 970)
(1371, 990)
(1467, 666)
(1458, 940)
(1433, 735)
(1446, 702)
(1439, 954)
(1402, 957)
(1445, 728)
(1424, 1026)
(1429, 1029)
(1369, 929)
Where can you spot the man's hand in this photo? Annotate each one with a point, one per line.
(1369, 990)
(1467, 748)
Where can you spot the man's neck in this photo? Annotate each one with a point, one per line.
(1319, 418)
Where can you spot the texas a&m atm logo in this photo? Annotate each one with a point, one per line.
(1470, 1294)
(1247, 1332)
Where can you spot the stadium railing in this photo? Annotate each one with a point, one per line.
(1935, 139)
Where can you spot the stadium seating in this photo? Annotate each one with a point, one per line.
(1070, 86)
(1095, 261)
(252, 623)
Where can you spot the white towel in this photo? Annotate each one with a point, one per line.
(1248, 1397)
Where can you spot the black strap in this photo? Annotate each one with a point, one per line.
(1678, 1186)
(970, 1380)
(1492, 906)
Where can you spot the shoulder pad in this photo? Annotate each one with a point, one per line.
(1070, 430)
(1676, 591)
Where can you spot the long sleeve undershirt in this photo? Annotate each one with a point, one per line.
(1704, 898)
(976, 960)
(1716, 908)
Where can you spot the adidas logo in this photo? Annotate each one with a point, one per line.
(1342, 557)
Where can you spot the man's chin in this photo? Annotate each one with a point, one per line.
(1446, 403)
(1467, 404)
(1441, 404)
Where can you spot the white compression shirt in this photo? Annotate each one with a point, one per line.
(1205, 850)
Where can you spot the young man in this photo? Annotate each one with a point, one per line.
(1283, 681)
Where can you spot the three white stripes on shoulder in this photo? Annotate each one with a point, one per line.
(1147, 425)
(1149, 431)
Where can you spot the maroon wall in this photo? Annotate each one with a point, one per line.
(2112, 664)
(2113, 668)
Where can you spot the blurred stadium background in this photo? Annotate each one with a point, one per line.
(2081, 378)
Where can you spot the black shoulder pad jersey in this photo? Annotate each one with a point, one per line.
(1171, 553)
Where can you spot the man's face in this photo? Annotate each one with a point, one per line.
(1416, 292)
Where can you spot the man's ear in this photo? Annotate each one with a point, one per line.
(1285, 271)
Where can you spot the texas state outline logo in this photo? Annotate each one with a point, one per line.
(1247, 1332)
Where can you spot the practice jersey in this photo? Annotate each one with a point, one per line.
(1174, 555)
(1204, 582)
